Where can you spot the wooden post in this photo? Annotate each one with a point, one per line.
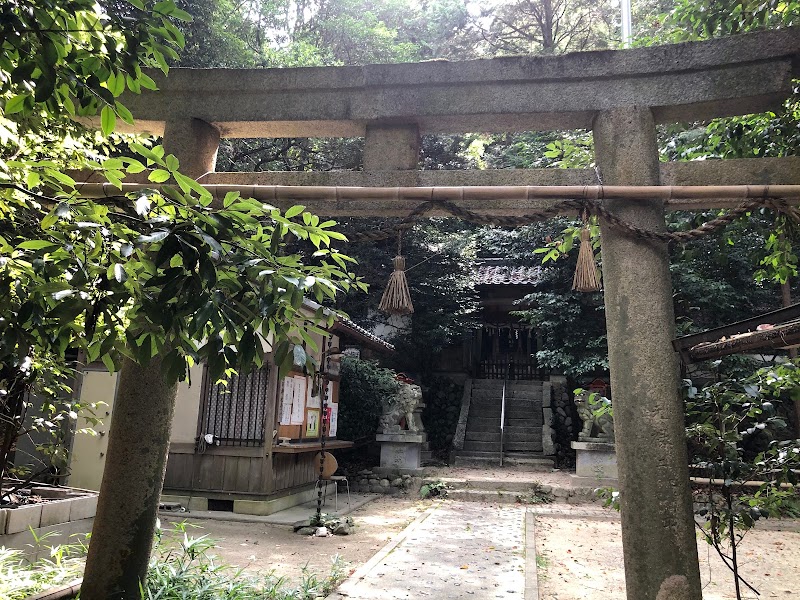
(658, 538)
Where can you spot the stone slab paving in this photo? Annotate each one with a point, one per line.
(472, 550)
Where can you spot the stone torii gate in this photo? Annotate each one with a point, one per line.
(621, 96)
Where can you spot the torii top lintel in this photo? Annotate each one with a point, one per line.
(679, 82)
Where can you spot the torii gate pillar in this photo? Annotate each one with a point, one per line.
(657, 525)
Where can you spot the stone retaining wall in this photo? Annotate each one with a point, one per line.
(566, 423)
(366, 481)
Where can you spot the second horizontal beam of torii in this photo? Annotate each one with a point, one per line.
(486, 200)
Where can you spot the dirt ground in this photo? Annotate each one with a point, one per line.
(579, 552)
(261, 548)
(581, 559)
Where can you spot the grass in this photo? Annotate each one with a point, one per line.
(189, 570)
(182, 567)
(541, 565)
(20, 578)
(434, 489)
(537, 494)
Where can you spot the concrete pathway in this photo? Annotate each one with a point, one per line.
(471, 550)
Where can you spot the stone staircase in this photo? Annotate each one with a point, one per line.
(522, 446)
(526, 490)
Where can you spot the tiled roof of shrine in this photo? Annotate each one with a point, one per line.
(347, 326)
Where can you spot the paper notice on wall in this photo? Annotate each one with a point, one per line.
(286, 402)
(334, 419)
(313, 401)
(298, 400)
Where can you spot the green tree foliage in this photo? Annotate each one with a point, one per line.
(738, 432)
(364, 388)
(693, 19)
(165, 272)
(442, 398)
(222, 33)
(570, 326)
(714, 277)
(770, 134)
(58, 62)
(439, 273)
(548, 26)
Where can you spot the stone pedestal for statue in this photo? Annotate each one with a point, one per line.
(402, 434)
(595, 460)
(401, 452)
(595, 452)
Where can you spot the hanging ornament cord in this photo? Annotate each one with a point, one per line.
(586, 279)
(396, 298)
(322, 433)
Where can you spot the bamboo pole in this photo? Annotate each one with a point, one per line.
(279, 193)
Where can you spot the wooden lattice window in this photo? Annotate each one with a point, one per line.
(234, 412)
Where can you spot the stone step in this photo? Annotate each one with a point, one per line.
(497, 396)
(511, 403)
(483, 424)
(470, 445)
(512, 412)
(496, 496)
(484, 489)
(518, 412)
(486, 484)
(510, 392)
(492, 459)
(498, 399)
(574, 496)
(508, 446)
(483, 436)
(491, 424)
(517, 446)
(523, 434)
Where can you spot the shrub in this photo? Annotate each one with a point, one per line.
(442, 398)
(189, 570)
(364, 386)
(181, 567)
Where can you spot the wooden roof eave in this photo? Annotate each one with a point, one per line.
(742, 336)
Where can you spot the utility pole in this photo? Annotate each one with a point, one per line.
(626, 22)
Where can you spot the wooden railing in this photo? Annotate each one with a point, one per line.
(497, 369)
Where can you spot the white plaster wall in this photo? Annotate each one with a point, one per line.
(187, 408)
(387, 326)
(88, 455)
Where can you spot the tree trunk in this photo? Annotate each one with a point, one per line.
(138, 444)
(548, 31)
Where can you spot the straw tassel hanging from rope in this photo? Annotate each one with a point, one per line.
(586, 279)
(396, 298)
